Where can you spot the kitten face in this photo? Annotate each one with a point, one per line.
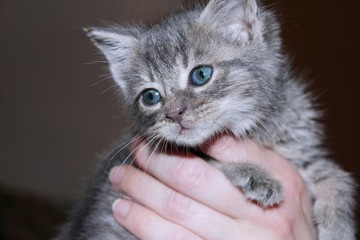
(187, 78)
(188, 113)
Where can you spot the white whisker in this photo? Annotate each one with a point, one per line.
(121, 147)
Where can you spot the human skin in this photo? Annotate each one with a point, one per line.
(183, 197)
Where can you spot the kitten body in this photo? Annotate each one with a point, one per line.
(250, 93)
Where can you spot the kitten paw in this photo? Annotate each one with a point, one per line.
(254, 182)
(266, 192)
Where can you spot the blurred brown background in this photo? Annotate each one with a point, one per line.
(56, 115)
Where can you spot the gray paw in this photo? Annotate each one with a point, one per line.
(254, 182)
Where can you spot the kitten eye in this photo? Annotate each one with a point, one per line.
(151, 97)
(201, 75)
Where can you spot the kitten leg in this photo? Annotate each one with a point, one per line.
(333, 191)
(254, 182)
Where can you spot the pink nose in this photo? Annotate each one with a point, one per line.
(176, 115)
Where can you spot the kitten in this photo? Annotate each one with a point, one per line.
(204, 72)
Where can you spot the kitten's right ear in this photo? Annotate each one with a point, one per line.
(117, 45)
(239, 19)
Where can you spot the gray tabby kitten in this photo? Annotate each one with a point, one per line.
(204, 72)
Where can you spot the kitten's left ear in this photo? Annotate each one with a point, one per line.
(240, 19)
(115, 44)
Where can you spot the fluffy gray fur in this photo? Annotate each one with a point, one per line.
(251, 94)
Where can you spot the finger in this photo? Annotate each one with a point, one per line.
(196, 179)
(146, 224)
(173, 206)
(227, 149)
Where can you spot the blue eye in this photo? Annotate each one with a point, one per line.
(201, 75)
(151, 97)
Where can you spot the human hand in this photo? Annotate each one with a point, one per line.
(183, 197)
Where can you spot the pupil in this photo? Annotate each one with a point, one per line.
(202, 74)
(151, 96)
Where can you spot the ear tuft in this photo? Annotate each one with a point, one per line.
(240, 19)
(117, 45)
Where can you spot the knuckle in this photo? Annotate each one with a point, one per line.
(179, 235)
(283, 224)
(177, 206)
(298, 183)
(141, 222)
(296, 187)
(191, 176)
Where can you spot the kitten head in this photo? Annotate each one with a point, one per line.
(200, 72)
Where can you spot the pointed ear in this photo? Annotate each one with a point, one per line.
(117, 45)
(240, 19)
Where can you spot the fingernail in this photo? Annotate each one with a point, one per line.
(116, 174)
(121, 207)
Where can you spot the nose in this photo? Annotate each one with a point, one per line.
(176, 115)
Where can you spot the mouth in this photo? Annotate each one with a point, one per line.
(181, 146)
(184, 130)
(196, 138)
(189, 135)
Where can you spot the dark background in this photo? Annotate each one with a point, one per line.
(58, 110)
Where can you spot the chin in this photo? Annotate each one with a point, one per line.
(188, 137)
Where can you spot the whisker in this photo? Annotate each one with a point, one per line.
(130, 154)
(95, 62)
(109, 88)
(106, 78)
(121, 147)
(119, 117)
(151, 155)
(142, 149)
